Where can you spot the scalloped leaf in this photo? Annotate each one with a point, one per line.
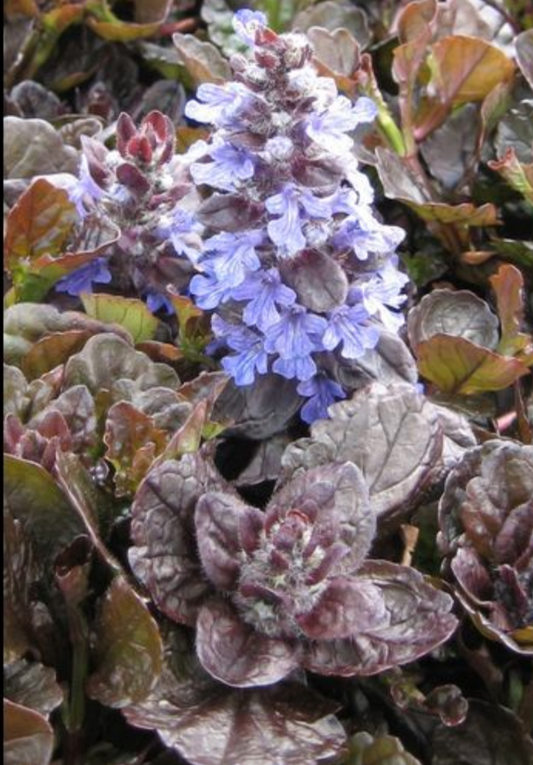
(129, 649)
(457, 366)
(32, 685)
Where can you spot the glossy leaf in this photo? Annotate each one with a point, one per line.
(459, 314)
(129, 651)
(32, 685)
(212, 724)
(28, 736)
(456, 365)
(129, 313)
(52, 350)
(35, 499)
(33, 147)
(38, 224)
(133, 442)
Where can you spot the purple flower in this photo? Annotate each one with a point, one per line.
(157, 301)
(81, 190)
(293, 206)
(265, 291)
(381, 293)
(322, 392)
(297, 333)
(328, 127)
(181, 228)
(347, 325)
(232, 256)
(82, 278)
(229, 166)
(246, 23)
(365, 235)
(300, 367)
(218, 104)
(251, 356)
(209, 291)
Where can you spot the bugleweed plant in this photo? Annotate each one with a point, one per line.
(268, 416)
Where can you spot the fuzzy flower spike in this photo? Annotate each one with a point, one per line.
(294, 260)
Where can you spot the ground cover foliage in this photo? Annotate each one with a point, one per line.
(268, 409)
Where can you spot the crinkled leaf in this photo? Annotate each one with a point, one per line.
(319, 281)
(35, 499)
(332, 16)
(130, 313)
(338, 494)
(164, 555)
(524, 54)
(365, 749)
(32, 685)
(461, 314)
(106, 361)
(16, 398)
(217, 533)
(260, 410)
(490, 735)
(418, 620)
(28, 736)
(211, 724)
(133, 442)
(38, 224)
(458, 366)
(336, 55)
(129, 650)
(508, 285)
(33, 147)
(203, 60)
(389, 362)
(389, 432)
(235, 653)
(52, 350)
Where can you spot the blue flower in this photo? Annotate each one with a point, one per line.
(296, 333)
(229, 166)
(365, 235)
(348, 326)
(293, 205)
(265, 292)
(218, 104)
(209, 291)
(246, 23)
(231, 257)
(82, 190)
(157, 301)
(381, 293)
(82, 278)
(251, 356)
(299, 367)
(181, 228)
(327, 128)
(322, 393)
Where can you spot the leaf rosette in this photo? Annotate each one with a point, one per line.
(271, 591)
(486, 522)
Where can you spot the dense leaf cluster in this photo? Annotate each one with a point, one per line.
(268, 406)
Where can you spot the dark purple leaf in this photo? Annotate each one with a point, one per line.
(229, 212)
(319, 282)
(32, 685)
(235, 653)
(418, 620)
(33, 147)
(164, 556)
(217, 519)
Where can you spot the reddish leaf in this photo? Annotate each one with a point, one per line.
(129, 649)
(456, 365)
(133, 442)
(52, 350)
(508, 286)
(517, 174)
(28, 736)
(38, 224)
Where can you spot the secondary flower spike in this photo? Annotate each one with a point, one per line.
(295, 261)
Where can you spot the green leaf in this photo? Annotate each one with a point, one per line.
(129, 313)
(508, 285)
(28, 736)
(456, 365)
(381, 750)
(517, 174)
(129, 649)
(35, 499)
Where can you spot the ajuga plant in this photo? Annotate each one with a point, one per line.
(295, 261)
(137, 186)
